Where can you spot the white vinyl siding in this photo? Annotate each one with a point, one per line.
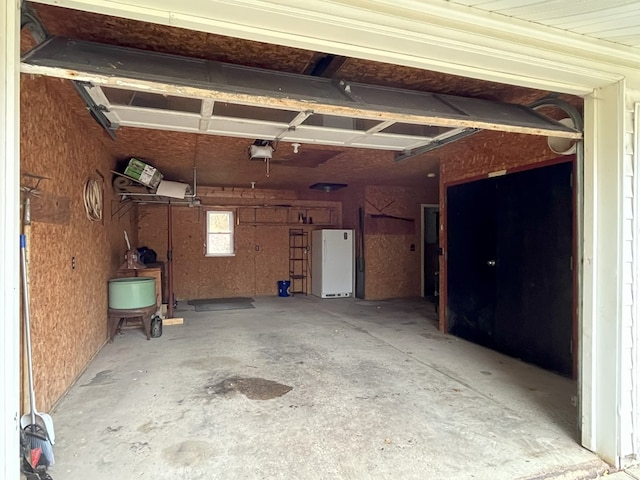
(630, 361)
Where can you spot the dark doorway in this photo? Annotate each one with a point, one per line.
(509, 264)
(430, 251)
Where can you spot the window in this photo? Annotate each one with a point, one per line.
(219, 234)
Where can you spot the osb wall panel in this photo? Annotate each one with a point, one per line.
(261, 247)
(488, 152)
(392, 269)
(352, 200)
(68, 306)
(379, 225)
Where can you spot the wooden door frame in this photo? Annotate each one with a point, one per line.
(423, 206)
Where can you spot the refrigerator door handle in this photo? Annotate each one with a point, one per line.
(324, 250)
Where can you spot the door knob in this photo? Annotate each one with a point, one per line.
(491, 263)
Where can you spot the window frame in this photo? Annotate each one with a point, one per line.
(231, 234)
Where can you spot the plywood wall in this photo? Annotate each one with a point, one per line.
(392, 268)
(68, 305)
(261, 244)
(261, 257)
(488, 152)
(352, 199)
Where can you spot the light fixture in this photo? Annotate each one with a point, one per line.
(260, 152)
(328, 187)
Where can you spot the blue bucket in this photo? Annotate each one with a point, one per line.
(283, 288)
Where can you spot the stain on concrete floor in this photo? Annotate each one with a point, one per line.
(252, 388)
(187, 453)
(100, 378)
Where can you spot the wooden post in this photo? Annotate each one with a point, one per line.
(170, 259)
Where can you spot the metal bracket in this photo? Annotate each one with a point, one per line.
(123, 207)
(436, 144)
(96, 111)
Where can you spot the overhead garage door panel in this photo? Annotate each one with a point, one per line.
(138, 70)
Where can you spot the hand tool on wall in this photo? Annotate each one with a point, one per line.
(37, 426)
(29, 187)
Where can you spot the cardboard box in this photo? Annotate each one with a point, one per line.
(143, 173)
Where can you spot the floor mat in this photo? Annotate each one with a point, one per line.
(212, 307)
(202, 301)
(218, 304)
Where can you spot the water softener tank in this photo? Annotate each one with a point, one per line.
(131, 293)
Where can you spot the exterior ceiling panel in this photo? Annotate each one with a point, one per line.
(616, 21)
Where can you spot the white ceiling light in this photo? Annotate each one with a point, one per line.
(260, 152)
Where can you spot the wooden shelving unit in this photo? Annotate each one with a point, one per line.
(288, 215)
(298, 260)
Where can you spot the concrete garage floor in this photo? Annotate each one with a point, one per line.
(376, 392)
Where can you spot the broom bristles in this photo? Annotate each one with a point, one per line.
(38, 438)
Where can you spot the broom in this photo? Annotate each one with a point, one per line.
(36, 430)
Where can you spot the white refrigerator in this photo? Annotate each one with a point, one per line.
(332, 263)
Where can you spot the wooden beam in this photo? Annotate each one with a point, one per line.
(172, 321)
(49, 208)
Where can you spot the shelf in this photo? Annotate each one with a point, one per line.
(293, 216)
(298, 259)
(280, 224)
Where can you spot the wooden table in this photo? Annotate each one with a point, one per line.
(144, 315)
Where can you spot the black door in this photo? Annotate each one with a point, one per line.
(528, 312)
(471, 246)
(535, 279)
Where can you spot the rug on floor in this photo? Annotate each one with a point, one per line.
(217, 304)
